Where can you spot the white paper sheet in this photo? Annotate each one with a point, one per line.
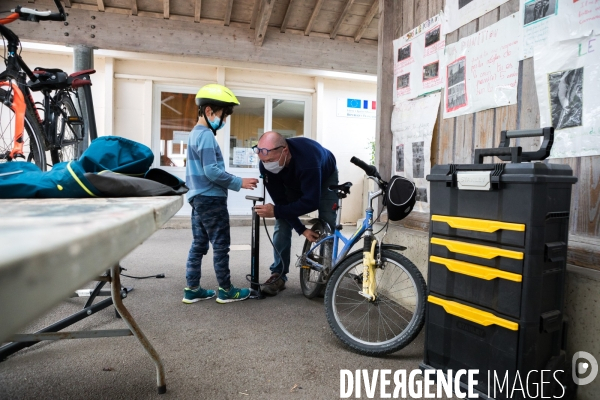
(575, 19)
(567, 77)
(538, 21)
(412, 126)
(461, 12)
(482, 70)
(418, 67)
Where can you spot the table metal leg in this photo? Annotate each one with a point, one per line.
(137, 332)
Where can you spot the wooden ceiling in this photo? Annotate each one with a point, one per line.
(354, 19)
(338, 35)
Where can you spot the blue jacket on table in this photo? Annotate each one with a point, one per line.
(296, 190)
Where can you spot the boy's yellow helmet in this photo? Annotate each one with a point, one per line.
(217, 95)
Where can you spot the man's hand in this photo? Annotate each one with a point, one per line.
(311, 235)
(265, 211)
(249, 183)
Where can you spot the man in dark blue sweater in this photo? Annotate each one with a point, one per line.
(297, 173)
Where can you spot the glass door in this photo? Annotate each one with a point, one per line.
(257, 114)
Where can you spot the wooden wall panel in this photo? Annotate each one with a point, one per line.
(588, 207)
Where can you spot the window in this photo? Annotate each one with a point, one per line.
(250, 120)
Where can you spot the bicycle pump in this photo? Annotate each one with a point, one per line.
(255, 292)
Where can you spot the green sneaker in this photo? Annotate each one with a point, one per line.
(233, 294)
(193, 295)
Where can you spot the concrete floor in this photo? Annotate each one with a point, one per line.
(277, 348)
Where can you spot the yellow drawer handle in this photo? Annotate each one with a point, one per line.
(472, 314)
(474, 270)
(480, 225)
(477, 250)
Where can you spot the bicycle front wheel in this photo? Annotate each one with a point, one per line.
(68, 131)
(33, 148)
(389, 323)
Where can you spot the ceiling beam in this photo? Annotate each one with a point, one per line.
(255, 10)
(367, 21)
(197, 10)
(228, 12)
(134, 10)
(261, 30)
(123, 32)
(100, 5)
(341, 19)
(166, 9)
(313, 17)
(287, 17)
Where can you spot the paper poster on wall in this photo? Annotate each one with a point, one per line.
(461, 12)
(356, 108)
(538, 19)
(418, 67)
(482, 70)
(568, 82)
(412, 126)
(575, 19)
(244, 156)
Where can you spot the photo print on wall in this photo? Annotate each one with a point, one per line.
(431, 71)
(432, 36)
(462, 3)
(456, 94)
(404, 52)
(400, 158)
(566, 98)
(536, 10)
(418, 160)
(403, 81)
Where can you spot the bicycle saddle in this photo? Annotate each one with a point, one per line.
(48, 79)
(343, 188)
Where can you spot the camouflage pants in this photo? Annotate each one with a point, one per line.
(210, 223)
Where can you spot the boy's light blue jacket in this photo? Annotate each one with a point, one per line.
(205, 169)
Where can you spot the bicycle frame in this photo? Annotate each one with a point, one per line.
(336, 236)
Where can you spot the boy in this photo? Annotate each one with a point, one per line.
(208, 183)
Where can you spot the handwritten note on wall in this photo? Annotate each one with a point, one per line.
(482, 70)
(576, 19)
(412, 126)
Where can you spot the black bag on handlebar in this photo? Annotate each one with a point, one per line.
(400, 198)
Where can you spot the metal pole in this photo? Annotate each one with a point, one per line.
(83, 58)
(254, 269)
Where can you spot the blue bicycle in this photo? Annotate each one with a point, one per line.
(374, 297)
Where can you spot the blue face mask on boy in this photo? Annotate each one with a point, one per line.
(215, 124)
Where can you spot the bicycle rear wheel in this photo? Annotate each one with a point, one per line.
(309, 278)
(68, 131)
(33, 148)
(390, 322)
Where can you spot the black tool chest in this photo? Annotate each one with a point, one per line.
(497, 264)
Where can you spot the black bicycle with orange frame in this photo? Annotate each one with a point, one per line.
(24, 134)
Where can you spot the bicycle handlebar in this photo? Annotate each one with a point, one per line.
(35, 15)
(370, 170)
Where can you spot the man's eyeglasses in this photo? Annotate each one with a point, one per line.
(264, 152)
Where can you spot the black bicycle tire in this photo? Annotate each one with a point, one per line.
(407, 335)
(315, 289)
(57, 151)
(34, 132)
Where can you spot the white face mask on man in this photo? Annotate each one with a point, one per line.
(274, 166)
